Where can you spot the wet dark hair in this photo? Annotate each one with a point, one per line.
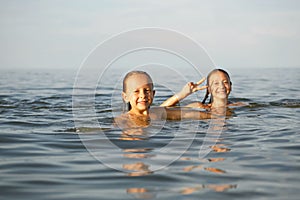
(127, 106)
(207, 82)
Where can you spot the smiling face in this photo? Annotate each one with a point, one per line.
(219, 85)
(139, 93)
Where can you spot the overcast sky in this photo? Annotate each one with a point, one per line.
(235, 33)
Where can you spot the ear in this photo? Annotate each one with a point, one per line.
(124, 96)
(153, 93)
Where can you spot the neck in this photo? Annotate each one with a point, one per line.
(139, 113)
(137, 119)
(219, 103)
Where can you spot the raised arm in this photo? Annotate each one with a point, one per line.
(188, 89)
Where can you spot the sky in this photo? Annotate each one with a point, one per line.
(236, 34)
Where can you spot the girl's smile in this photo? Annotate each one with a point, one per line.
(139, 93)
(219, 85)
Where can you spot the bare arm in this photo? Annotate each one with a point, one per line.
(188, 89)
(196, 105)
(179, 114)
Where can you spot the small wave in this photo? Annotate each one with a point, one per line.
(54, 102)
(25, 123)
(83, 129)
(285, 103)
(240, 100)
(290, 103)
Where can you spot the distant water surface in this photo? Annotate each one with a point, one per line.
(43, 155)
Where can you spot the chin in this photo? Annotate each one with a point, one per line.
(143, 108)
(222, 96)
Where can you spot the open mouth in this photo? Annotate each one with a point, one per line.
(142, 102)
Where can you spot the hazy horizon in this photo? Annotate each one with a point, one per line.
(236, 34)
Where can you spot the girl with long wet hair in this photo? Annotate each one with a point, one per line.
(218, 88)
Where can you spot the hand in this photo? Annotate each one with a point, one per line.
(188, 89)
(191, 87)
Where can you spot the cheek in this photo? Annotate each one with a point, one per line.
(152, 95)
(130, 96)
(228, 89)
(133, 97)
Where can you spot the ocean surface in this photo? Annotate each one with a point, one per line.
(57, 144)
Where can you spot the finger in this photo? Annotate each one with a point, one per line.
(201, 81)
(200, 88)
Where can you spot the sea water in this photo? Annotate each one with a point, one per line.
(45, 154)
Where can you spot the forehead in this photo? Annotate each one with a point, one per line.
(138, 80)
(218, 76)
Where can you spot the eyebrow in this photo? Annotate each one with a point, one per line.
(147, 86)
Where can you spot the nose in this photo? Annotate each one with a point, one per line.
(142, 94)
(222, 85)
